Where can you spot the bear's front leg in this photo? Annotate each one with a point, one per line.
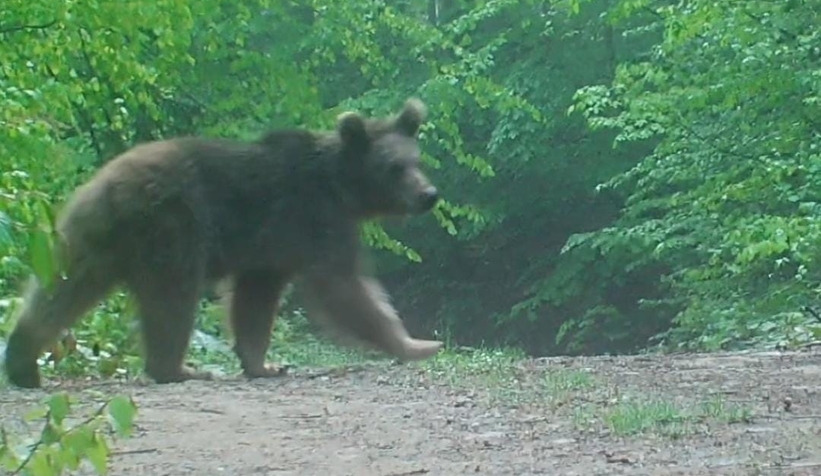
(358, 308)
(253, 303)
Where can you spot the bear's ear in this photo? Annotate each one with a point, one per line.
(351, 127)
(411, 117)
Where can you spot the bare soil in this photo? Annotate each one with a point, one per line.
(560, 416)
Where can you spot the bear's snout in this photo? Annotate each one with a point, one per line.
(428, 198)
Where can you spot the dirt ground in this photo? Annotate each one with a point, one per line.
(728, 414)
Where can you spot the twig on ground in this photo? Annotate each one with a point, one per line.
(306, 416)
(134, 452)
(336, 371)
(781, 467)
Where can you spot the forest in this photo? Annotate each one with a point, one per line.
(617, 175)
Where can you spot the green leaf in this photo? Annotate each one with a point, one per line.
(97, 453)
(42, 261)
(39, 464)
(51, 434)
(121, 411)
(45, 215)
(76, 443)
(59, 407)
(5, 229)
(36, 413)
(8, 459)
(413, 256)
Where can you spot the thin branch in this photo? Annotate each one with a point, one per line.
(792, 36)
(105, 81)
(82, 116)
(712, 144)
(812, 312)
(14, 29)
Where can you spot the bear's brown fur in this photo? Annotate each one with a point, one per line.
(166, 219)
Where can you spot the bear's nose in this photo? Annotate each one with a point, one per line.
(429, 197)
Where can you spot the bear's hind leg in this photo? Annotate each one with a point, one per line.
(252, 306)
(47, 312)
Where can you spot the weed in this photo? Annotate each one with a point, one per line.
(719, 409)
(636, 416)
(633, 417)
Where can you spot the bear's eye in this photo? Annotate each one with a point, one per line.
(396, 169)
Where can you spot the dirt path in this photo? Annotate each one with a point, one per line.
(741, 414)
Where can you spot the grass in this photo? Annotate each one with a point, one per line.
(719, 409)
(491, 372)
(562, 385)
(498, 375)
(454, 366)
(634, 416)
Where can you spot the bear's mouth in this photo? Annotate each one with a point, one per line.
(426, 201)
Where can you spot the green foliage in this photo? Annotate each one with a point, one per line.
(107, 344)
(62, 448)
(726, 200)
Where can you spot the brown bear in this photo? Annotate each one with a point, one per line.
(167, 219)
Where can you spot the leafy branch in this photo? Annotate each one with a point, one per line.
(58, 448)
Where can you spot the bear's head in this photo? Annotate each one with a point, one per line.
(380, 162)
